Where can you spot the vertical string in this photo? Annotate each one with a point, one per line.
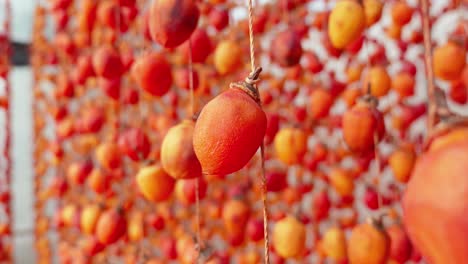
(377, 170)
(262, 147)
(197, 182)
(251, 37)
(190, 67)
(431, 90)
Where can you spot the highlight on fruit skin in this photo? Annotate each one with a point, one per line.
(346, 23)
(228, 132)
(172, 22)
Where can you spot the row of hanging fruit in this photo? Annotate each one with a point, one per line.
(225, 131)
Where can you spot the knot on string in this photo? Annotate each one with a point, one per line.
(249, 85)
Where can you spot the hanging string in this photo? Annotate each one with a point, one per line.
(197, 182)
(197, 217)
(377, 170)
(431, 89)
(252, 79)
(251, 37)
(190, 68)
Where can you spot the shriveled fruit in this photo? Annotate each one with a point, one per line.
(228, 132)
(346, 23)
(177, 155)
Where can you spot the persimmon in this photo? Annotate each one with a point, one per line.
(287, 49)
(185, 190)
(291, 145)
(373, 11)
(370, 123)
(107, 62)
(154, 183)
(153, 73)
(453, 52)
(401, 13)
(378, 81)
(289, 237)
(228, 132)
(368, 244)
(400, 244)
(401, 162)
(227, 57)
(342, 182)
(111, 226)
(89, 217)
(135, 144)
(235, 215)
(346, 23)
(177, 155)
(320, 103)
(434, 201)
(403, 84)
(173, 22)
(333, 244)
(108, 155)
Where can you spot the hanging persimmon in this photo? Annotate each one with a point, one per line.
(172, 22)
(177, 155)
(289, 237)
(346, 22)
(453, 52)
(370, 122)
(111, 226)
(154, 183)
(368, 244)
(153, 73)
(228, 132)
(291, 145)
(434, 202)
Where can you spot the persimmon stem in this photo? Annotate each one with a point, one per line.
(431, 89)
